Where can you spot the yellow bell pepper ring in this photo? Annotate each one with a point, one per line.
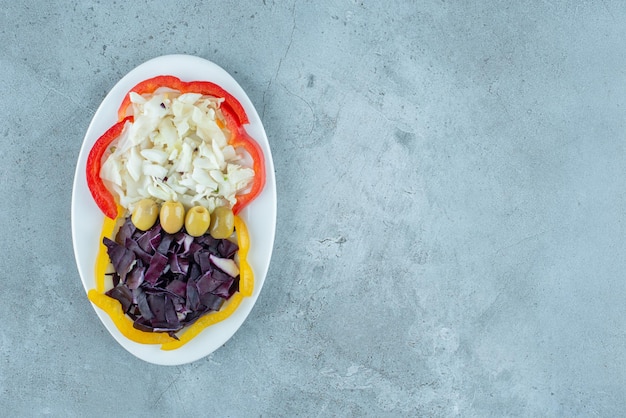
(246, 275)
(125, 325)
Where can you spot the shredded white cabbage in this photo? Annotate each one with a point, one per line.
(175, 150)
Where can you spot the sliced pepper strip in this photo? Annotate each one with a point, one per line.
(101, 195)
(206, 88)
(246, 276)
(240, 138)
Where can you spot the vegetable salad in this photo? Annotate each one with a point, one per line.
(171, 177)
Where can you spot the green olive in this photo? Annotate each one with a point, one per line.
(172, 217)
(222, 222)
(145, 214)
(197, 221)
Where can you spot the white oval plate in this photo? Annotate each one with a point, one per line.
(260, 215)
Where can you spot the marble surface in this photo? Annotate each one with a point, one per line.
(451, 203)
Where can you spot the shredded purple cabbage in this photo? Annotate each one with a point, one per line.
(167, 281)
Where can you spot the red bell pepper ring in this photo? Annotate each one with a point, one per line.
(252, 147)
(101, 195)
(203, 87)
(235, 117)
(240, 138)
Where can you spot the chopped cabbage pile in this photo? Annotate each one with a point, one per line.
(175, 150)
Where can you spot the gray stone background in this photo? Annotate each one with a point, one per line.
(451, 200)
